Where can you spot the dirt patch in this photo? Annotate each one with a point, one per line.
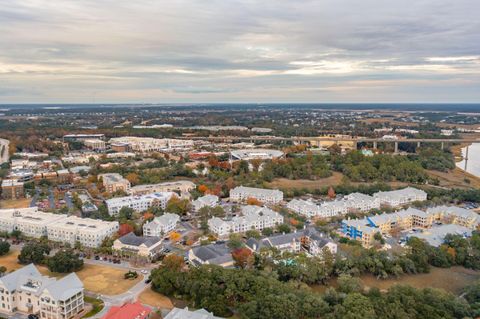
(15, 203)
(96, 278)
(154, 299)
(285, 183)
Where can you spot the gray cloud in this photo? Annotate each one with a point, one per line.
(271, 50)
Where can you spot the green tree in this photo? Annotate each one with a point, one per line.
(34, 252)
(65, 261)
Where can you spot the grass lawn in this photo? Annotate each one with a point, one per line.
(15, 203)
(96, 278)
(97, 305)
(154, 299)
(286, 183)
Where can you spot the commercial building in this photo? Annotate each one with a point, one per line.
(400, 197)
(213, 254)
(175, 186)
(266, 196)
(149, 144)
(178, 313)
(114, 182)
(435, 236)
(128, 311)
(146, 246)
(161, 226)
(205, 201)
(12, 189)
(27, 291)
(138, 203)
(86, 231)
(253, 217)
(259, 153)
(95, 144)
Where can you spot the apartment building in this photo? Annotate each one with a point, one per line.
(86, 231)
(83, 137)
(146, 246)
(95, 144)
(253, 217)
(205, 201)
(266, 196)
(149, 144)
(455, 215)
(304, 207)
(308, 240)
(400, 197)
(114, 182)
(27, 291)
(56, 227)
(258, 153)
(138, 203)
(359, 229)
(30, 221)
(4, 150)
(362, 202)
(175, 186)
(161, 226)
(12, 189)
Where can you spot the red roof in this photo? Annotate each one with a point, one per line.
(128, 311)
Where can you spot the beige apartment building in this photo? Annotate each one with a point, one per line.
(114, 182)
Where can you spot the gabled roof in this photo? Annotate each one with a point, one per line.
(214, 253)
(178, 313)
(133, 240)
(65, 287)
(128, 311)
(12, 279)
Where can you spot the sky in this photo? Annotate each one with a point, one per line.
(166, 51)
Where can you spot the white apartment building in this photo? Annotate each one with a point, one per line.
(304, 207)
(253, 217)
(114, 182)
(401, 197)
(30, 221)
(362, 202)
(138, 203)
(27, 291)
(205, 201)
(175, 186)
(161, 226)
(149, 144)
(95, 144)
(56, 227)
(88, 232)
(258, 153)
(266, 196)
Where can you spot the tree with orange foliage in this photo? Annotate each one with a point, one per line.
(253, 201)
(125, 229)
(174, 236)
(148, 216)
(173, 262)
(331, 193)
(202, 188)
(213, 161)
(133, 178)
(293, 222)
(243, 258)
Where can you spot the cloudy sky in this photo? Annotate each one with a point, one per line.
(86, 51)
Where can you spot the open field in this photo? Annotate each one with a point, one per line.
(456, 178)
(154, 299)
(285, 183)
(15, 203)
(96, 278)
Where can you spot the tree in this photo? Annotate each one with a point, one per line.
(125, 229)
(33, 252)
(125, 213)
(267, 231)
(65, 261)
(133, 178)
(202, 188)
(252, 233)
(178, 206)
(284, 228)
(174, 236)
(243, 257)
(235, 241)
(331, 193)
(349, 284)
(253, 201)
(4, 247)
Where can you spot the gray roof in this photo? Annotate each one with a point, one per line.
(178, 313)
(133, 240)
(60, 289)
(214, 253)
